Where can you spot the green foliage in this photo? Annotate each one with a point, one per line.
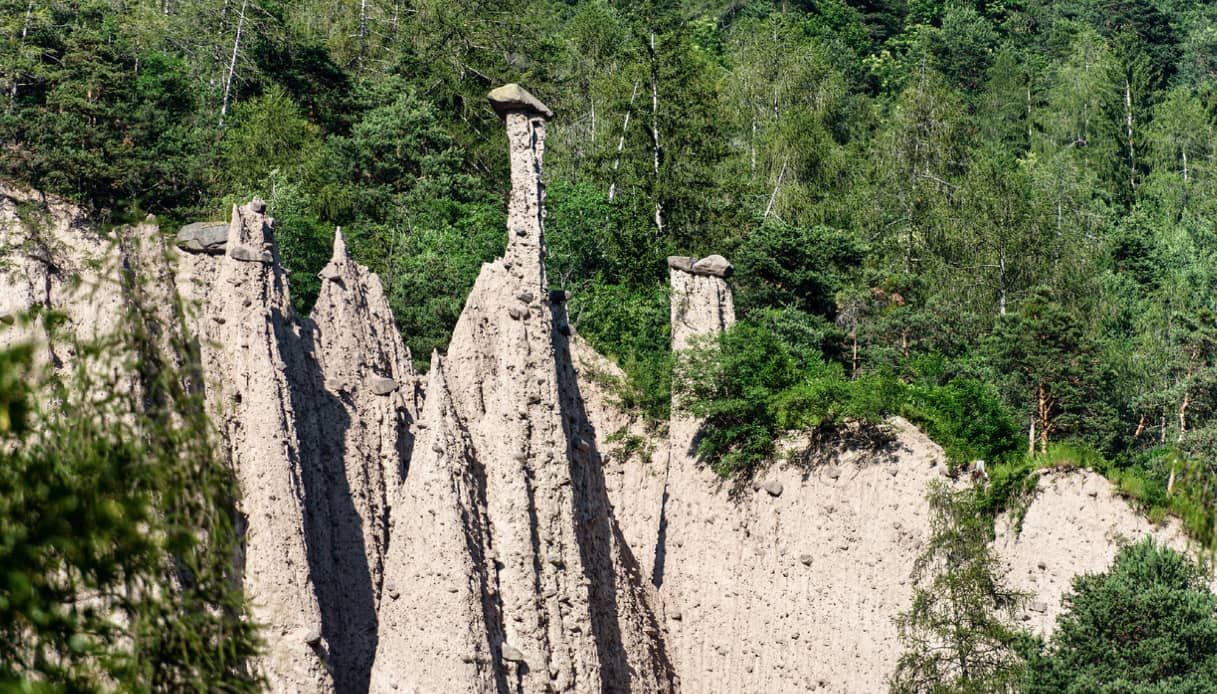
(964, 47)
(795, 267)
(1053, 369)
(827, 399)
(750, 389)
(397, 154)
(267, 134)
(97, 116)
(630, 325)
(118, 523)
(733, 385)
(967, 418)
(1147, 624)
(429, 263)
(959, 633)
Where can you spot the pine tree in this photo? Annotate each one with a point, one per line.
(958, 634)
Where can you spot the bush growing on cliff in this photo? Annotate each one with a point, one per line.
(733, 385)
(959, 633)
(117, 526)
(1147, 624)
(751, 389)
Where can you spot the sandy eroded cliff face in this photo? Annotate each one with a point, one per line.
(475, 530)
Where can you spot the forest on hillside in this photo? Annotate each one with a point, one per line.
(996, 218)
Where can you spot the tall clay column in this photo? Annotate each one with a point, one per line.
(702, 309)
(506, 567)
(518, 433)
(525, 118)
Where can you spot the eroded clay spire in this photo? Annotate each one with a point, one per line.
(340, 248)
(561, 605)
(439, 629)
(525, 117)
(367, 401)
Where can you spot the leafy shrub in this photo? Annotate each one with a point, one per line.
(828, 398)
(631, 326)
(118, 523)
(733, 385)
(1147, 624)
(749, 388)
(965, 417)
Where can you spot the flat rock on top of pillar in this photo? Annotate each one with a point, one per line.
(710, 266)
(681, 262)
(713, 265)
(513, 97)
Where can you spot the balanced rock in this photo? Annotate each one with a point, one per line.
(249, 255)
(512, 654)
(681, 262)
(714, 265)
(513, 97)
(203, 237)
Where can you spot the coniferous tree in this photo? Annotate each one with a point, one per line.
(959, 634)
(1147, 624)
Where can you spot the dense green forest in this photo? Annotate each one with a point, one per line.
(997, 217)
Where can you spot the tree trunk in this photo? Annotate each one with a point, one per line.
(25, 31)
(1132, 165)
(853, 376)
(655, 131)
(1045, 413)
(774, 195)
(752, 146)
(232, 64)
(1187, 401)
(220, 31)
(363, 28)
(1030, 123)
(1001, 297)
(625, 124)
(1031, 437)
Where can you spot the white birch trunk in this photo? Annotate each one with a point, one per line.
(232, 64)
(625, 124)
